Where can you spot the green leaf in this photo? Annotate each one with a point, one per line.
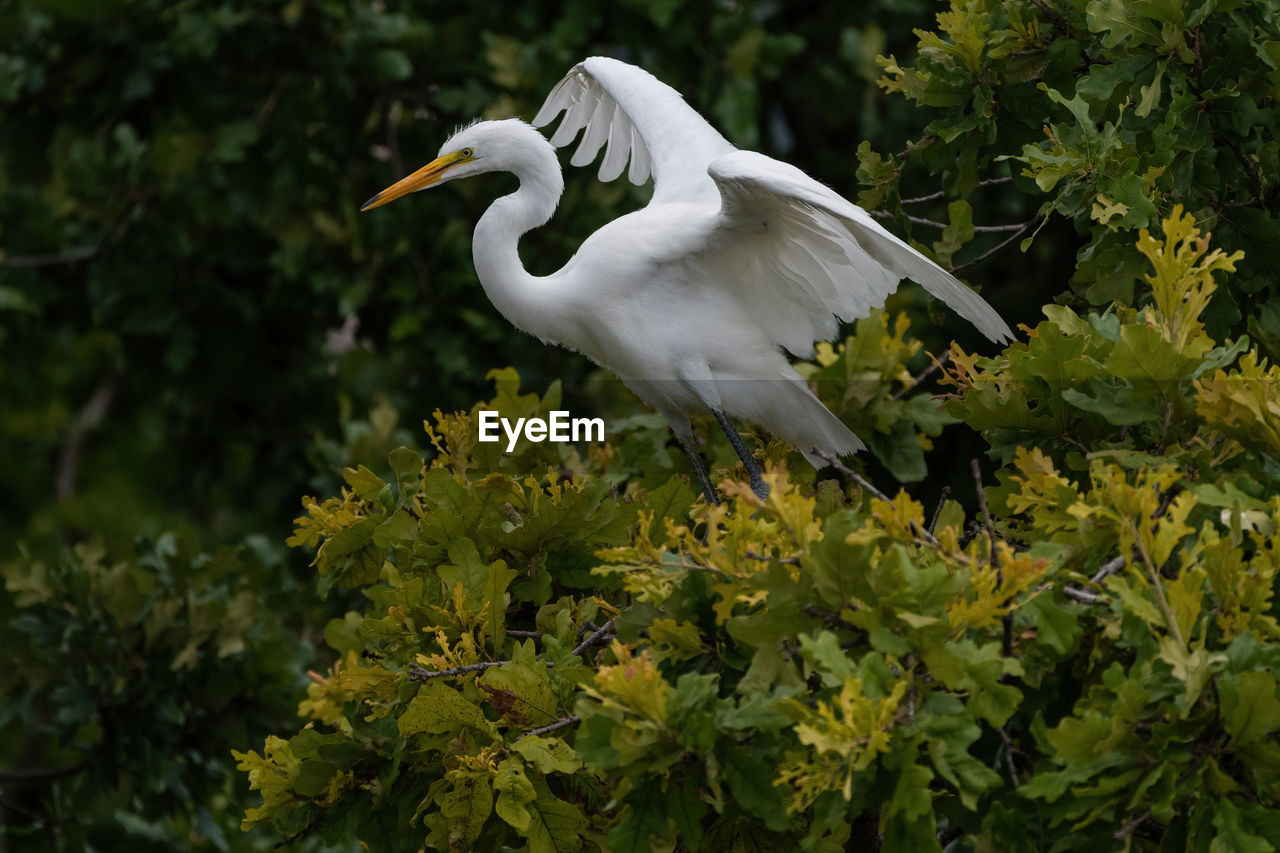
(751, 780)
(521, 693)
(407, 466)
(438, 709)
(549, 755)
(515, 794)
(554, 825)
(1119, 21)
(1233, 836)
(951, 732)
(466, 805)
(397, 529)
(642, 816)
(686, 808)
(1250, 708)
(364, 482)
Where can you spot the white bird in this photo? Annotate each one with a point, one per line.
(691, 300)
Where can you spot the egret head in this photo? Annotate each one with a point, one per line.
(508, 145)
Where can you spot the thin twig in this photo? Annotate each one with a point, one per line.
(941, 194)
(1108, 569)
(982, 507)
(1009, 750)
(1017, 227)
(789, 561)
(530, 635)
(909, 665)
(551, 727)
(418, 673)
(1058, 19)
(1250, 169)
(921, 199)
(596, 636)
(41, 774)
(938, 364)
(72, 256)
(1006, 641)
(828, 617)
(942, 498)
(1159, 589)
(1033, 221)
(86, 420)
(835, 462)
(1083, 596)
(69, 256)
(1124, 831)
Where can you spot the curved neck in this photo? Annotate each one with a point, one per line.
(523, 299)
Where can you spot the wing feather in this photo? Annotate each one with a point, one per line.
(576, 118)
(640, 166)
(803, 255)
(641, 119)
(597, 133)
(615, 156)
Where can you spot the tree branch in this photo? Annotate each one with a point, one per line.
(49, 259)
(1016, 227)
(1159, 588)
(1124, 831)
(552, 727)
(938, 364)
(42, 774)
(941, 194)
(1058, 19)
(71, 256)
(419, 673)
(1108, 569)
(1081, 596)
(1006, 640)
(1009, 750)
(835, 462)
(1033, 221)
(86, 420)
(596, 636)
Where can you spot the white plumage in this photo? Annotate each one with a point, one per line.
(692, 299)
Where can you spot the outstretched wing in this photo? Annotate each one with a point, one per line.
(794, 251)
(640, 119)
(799, 254)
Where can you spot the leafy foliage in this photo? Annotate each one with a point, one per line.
(1095, 667)
(1110, 112)
(124, 669)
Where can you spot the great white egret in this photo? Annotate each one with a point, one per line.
(691, 300)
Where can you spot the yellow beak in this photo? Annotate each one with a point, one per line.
(421, 179)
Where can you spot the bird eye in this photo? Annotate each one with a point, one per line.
(468, 152)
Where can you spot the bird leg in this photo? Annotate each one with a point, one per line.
(699, 468)
(758, 485)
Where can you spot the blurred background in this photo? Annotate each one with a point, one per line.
(197, 327)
